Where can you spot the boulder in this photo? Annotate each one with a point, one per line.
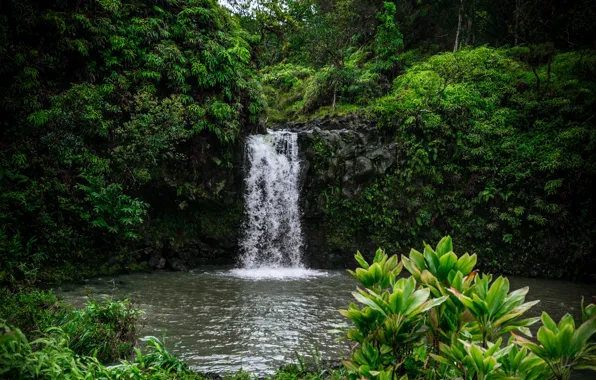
(177, 265)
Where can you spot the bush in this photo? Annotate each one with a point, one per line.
(44, 358)
(106, 329)
(460, 318)
(32, 312)
(52, 358)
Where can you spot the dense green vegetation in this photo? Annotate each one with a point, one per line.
(494, 125)
(122, 125)
(486, 153)
(106, 330)
(112, 111)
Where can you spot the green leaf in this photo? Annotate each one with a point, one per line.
(445, 246)
(446, 263)
(369, 302)
(360, 259)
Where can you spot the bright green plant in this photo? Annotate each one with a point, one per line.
(393, 316)
(440, 269)
(495, 310)
(390, 321)
(156, 357)
(589, 311)
(379, 275)
(472, 361)
(521, 364)
(564, 347)
(46, 358)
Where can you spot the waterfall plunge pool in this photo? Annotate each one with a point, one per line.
(221, 319)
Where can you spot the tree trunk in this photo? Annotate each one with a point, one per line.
(459, 17)
(334, 96)
(468, 33)
(537, 81)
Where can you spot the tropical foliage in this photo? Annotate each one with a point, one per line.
(106, 329)
(107, 107)
(564, 347)
(486, 153)
(460, 322)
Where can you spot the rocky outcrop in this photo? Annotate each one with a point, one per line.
(350, 152)
(342, 155)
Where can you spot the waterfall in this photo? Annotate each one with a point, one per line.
(273, 235)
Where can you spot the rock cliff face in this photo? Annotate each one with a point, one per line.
(343, 156)
(339, 155)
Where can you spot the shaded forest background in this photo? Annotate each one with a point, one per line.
(122, 124)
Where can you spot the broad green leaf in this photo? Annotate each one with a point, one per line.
(367, 301)
(466, 263)
(445, 245)
(418, 259)
(548, 322)
(361, 260)
(446, 263)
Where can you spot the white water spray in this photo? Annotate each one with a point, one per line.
(273, 235)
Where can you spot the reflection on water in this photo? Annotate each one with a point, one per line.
(220, 320)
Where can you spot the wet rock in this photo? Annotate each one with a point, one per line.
(176, 264)
(350, 149)
(155, 260)
(342, 156)
(363, 169)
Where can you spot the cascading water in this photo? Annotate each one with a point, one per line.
(273, 236)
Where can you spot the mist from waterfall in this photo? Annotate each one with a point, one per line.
(273, 235)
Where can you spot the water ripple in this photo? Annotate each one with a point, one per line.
(219, 321)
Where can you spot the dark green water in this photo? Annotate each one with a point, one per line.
(218, 321)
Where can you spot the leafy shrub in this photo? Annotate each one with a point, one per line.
(564, 347)
(44, 358)
(32, 312)
(391, 320)
(51, 358)
(461, 321)
(106, 330)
